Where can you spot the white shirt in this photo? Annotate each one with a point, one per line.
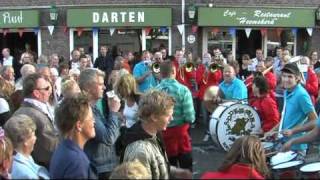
(8, 61)
(130, 114)
(4, 106)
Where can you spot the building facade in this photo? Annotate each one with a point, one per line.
(236, 26)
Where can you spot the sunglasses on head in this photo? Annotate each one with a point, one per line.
(46, 88)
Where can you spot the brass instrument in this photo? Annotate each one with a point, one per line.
(189, 66)
(155, 68)
(214, 67)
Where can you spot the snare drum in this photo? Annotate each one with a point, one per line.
(310, 171)
(232, 120)
(287, 170)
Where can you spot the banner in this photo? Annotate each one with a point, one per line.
(232, 32)
(181, 28)
(79, 31)
(310, 30)
(5, 31)
(20, 31)
(194, 29)
(36, 31)
(111, 30)
(50, 28)
(263, 31)
(248, 31)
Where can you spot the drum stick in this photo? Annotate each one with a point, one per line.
(271, 153)
(282, 117)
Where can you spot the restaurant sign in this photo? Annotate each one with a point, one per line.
(115, 17)
(19, 18)
(261, 17)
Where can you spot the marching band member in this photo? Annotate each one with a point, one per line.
(311, 80)
(297, 108)
(245, 160)
(176, 136)
(232, 87)
(264, 104)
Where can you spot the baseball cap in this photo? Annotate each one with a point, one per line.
(291, 68)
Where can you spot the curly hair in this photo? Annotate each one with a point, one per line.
(248, 150)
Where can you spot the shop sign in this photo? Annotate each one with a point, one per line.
(19, 19)
(261, 17)
(115, 17)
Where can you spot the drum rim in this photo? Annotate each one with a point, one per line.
(271, 144)
(304, 166)
(281, 164)
(292, 158)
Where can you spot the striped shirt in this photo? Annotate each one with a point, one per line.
(183, 111)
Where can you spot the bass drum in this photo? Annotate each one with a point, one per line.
(232, 120)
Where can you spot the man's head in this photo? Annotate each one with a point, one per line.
(179, 56)
(36, 87)
(6, 52)
(103, 51)
(91, 80)
(228, 73)
(156, 109)
(167, 69)
(157, 57)
(27, 58)
(146, 56)
(290, 76)
(26, 70)
(83, 62)
(75, 54)
(163, 52)
(54, 60)
(279, 52)
(259, 54)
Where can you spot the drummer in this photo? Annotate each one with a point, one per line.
(297, 108)
(231, 87)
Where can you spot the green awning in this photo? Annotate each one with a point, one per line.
(19, 19)
(117, 17)
(256, 17)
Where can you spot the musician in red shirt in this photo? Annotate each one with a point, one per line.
(245, 160)
(310, 81)
(265, 105)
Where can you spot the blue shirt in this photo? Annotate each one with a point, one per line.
(70, 162)
(298, 106)
(138, 71)
(234, 90)
(25, 168)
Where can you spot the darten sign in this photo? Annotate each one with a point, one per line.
(19, 19)
(119, 17)
(261, 17)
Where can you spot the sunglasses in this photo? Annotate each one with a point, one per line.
(46, 88)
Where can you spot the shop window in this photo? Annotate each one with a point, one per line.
(285, 39)
(157, 38)
(221, 39)
(84, 40)
(121, 41)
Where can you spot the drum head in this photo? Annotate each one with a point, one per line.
(283, 157)
(234, 120)
(287, 164)
(313, 167)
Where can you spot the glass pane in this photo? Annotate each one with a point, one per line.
(157, 38)
(222, 40)
(123, 40)
(85, 41)
(285, 40)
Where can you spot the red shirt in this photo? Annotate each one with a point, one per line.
(272, 83)
(236, 171)
(312, 85)
(209, 79)
(268, 111)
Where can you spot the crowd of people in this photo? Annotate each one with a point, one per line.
(123, 116)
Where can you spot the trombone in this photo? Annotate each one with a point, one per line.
(155, 67)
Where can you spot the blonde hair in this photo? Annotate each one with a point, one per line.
(6, 149)
(130, 170)
(6, 89)
(248, 150)
(126, 86)
(154, 102)
(67, 87)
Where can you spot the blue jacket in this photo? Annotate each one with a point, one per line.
(70, 162)
(101, 149)
(25, 168)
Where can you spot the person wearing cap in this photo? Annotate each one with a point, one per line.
(298, 109)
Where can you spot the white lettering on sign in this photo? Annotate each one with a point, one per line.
(245, 21)
(118, 17)
(12, 19)
(229, 13)
(259, 13)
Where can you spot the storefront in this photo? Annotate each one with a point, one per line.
(127, 29)
(20, 31)
(243, 30)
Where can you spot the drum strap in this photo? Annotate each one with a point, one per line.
(282, 116)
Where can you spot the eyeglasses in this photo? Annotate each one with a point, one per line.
(46, 88)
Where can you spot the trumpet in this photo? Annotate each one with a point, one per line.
(189, 66)
(155, 67)
(214, 67)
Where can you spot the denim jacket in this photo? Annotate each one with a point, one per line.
(101, 149)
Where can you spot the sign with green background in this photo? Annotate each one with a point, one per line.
(256, 17)
(19, 19)
(115, 17)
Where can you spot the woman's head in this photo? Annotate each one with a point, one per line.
(21, 130)
(6, 152)
(126, 86)
(156, 107)
(70, 88)
(6, 89)
(248, 150)
(74, 117)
